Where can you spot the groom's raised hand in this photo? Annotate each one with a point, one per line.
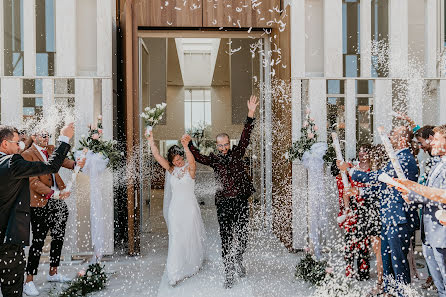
(252, 106)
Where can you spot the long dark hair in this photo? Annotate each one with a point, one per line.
(173, 151)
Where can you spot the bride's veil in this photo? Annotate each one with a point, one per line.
(167, 196)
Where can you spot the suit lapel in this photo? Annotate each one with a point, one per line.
(37, 153)
(435, 173)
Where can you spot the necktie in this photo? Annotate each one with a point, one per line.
(45, 152)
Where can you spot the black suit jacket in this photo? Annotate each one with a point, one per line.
(14, 192)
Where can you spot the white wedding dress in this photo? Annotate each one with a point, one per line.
(185, 226)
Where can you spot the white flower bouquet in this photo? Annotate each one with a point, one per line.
(152, 116)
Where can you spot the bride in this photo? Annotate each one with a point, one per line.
(181, 212)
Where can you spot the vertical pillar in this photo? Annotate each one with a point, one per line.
(415, 100)
(29, 28)
(365, 16)
(441, 103)
(333, 65)
(398, 38)
(2, 40)
(65, 58)
(48, 101)
(297, 39)
(430, 38)
(107, 108)
(382, 105)
(350, 119)
(318, 105)
(12, 101)
(104, 48)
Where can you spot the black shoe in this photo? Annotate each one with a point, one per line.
(241, 270)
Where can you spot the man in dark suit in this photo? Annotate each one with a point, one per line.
(15, 203)
(234, 187)
(398, 219)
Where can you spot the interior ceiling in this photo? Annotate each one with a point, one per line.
(221, 71)
(174, 76)
(220, 77)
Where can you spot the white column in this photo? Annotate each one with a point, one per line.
(350, 119)
(318, 105)
(441, 103)
(333, 38)
(300, 206)
(84, 96)
(297, 39)
(12, 101)
(104, 46)
(382, 105)
(29, 43)
(48, 102)
(430, 38)
(296, 108)
(2, 41)
(415, 100)
(398, 37)
(107, 108)
(365, 16)
(65, 58)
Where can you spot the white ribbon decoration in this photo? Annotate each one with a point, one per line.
(314, 162)
(95, 165)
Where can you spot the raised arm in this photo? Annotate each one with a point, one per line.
(370, 177)
(200, 158)
(156, 153)
(190, 158)
(240, 149)
(20, 168)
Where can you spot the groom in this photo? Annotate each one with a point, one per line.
(234, 187)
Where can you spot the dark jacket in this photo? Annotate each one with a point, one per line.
(14, 192)
(229, 170)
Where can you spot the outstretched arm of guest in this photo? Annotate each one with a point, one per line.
(200, 158)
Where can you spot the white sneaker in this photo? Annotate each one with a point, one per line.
(30, 289)
(58, 278)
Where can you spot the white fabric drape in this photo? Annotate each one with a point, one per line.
(314, 162)
(167, 196)
(95, 165)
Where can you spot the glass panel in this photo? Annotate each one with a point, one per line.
(198, 95)
(32, 108)
(336, 116)
(364, 120)
(32, 86)
(207, 95)
(335, 86)
(208, 113)
(197, 113)
(45, 37)
(351, 65)
(364, 87)
(13, 37)
(187, 115)
(64, 86)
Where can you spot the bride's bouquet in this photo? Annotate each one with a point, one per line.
(152, 116)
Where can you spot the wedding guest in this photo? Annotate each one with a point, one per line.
(352, 220)
(15, 203)
(433, 233)
(398, 221)
(47, 214)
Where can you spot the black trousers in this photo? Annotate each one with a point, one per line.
(53, 218)
(233, 217)
(12, 268)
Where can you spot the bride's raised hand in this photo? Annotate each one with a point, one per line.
(149, 136)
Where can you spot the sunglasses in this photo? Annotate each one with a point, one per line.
(223, 145)
(45, 135)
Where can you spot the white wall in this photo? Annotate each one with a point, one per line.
(314, 32)
(86, 38)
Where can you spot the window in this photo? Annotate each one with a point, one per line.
(336, 108)
(197, 108)
(350, 37)
(364, 111)
(13, 37)
(64, 102)
(32, 99)
(45, 37)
